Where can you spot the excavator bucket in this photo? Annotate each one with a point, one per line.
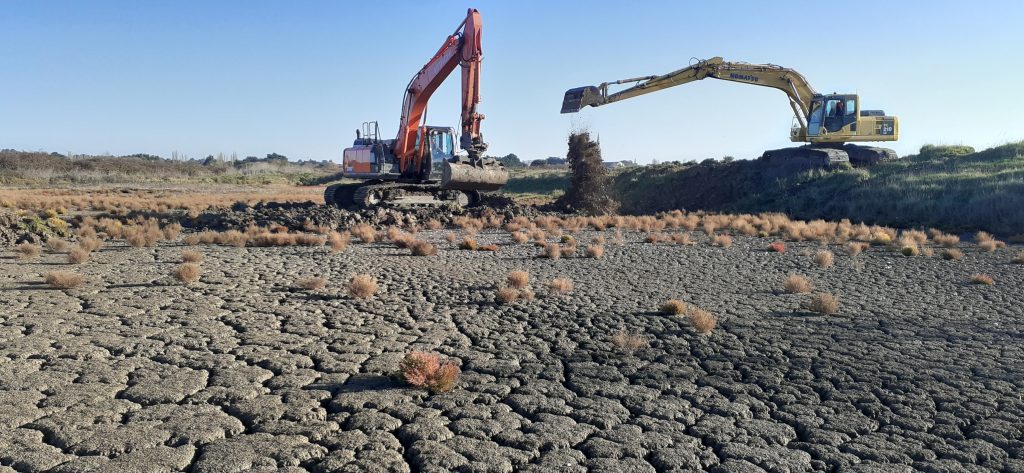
(576, 99)
(465, 176)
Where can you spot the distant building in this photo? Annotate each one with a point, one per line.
(618, 164)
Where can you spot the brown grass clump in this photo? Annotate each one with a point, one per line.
(364, 233)
(90, 244)
(311, 284)
(78, 255)
(187, 273)
(991, 245)
(946, 240)
(520, 237)
(450, 237)
(64, 279)
(338, 241)
(518, 279)
(427, 371)
(57, 245)
(468, 243)
(982, 237)
(506, 295)
(682, 239)
(191, 256)
(423, 248)
(595, 251)
(723, 240)
(673, 307)
(560, 286)
(362, 286)
(796, 284)
(824, 258)
(306, 239)
(981, 278)
(171, 231)
(629, 342)
(434, 224)
(488, 247)
(952, 254)
(910, 250)
(27, 251)
(855, 248)
(702, 321)
(1019, 259)
(551, 251)
(824, 303)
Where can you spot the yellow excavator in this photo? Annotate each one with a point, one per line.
(828, 122)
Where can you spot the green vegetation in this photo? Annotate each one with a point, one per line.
(39, 168)
(951, 187)
(536, 183)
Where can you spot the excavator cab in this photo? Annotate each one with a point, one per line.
(832, 113)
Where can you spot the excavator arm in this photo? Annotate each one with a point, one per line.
(787, 80)
(463, 48)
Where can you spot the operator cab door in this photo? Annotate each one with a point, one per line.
(440, 146)
(839, 112)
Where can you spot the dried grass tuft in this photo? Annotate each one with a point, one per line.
(673, 307)
(981, 278)
(311, 283)
(362, 286)
(702, 321)
(26, 251)
(191, 256)
(423, 248)
(78, 255)
(187, 273)
(595, 251)
(723, 240)
(57, 245)
(629, 342)
(824, 258)
(560, 286)
(796, 284)
(338, 241)
(824, 303)
(518, 279)
(506, 295)
(428, 371)
(63, 279)
(952, 254)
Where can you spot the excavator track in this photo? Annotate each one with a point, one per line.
(395, 194)
(788, 161)
(340, 195)
(861, 156)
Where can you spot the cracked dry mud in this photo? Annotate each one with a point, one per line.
(239, 371)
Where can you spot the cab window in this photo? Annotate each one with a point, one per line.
(851, 107)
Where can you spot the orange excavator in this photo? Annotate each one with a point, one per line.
(400, 171)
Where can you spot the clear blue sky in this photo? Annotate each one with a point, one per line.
(297, 78)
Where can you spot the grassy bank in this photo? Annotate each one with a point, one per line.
(951, 187)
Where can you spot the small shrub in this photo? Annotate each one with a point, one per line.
(362, 286)
(427, 371)
(518, 279)
(434, 224)
(191, 256)
(63, 279)
(702, 321)
(423, 248)
(526, 294)
(777, 247)
(991, 245)
(796, 284)
(90, 244)
(952, 254)
(629, 342)
(506, 295)
(880, 239)
(171, 231)
(468, 244)
(450, 237)
(27, 251)
(551, 251)
(364, 233)
(57, 245)
(855, 248)
(673, 307)
(824, 258)
(980, 278)
(910, 250)
(187, 273)
(338, 241)
(946, 240)
(595, 251)
(306, 239)
(982, 237)
(682, 239)
(824, 303)
(311, 284)
(560, 286)
(78, 255)
(520, 237)
(723, 240)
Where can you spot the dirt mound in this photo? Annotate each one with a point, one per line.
(589, 185)
(29, 228)
(298, 216)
